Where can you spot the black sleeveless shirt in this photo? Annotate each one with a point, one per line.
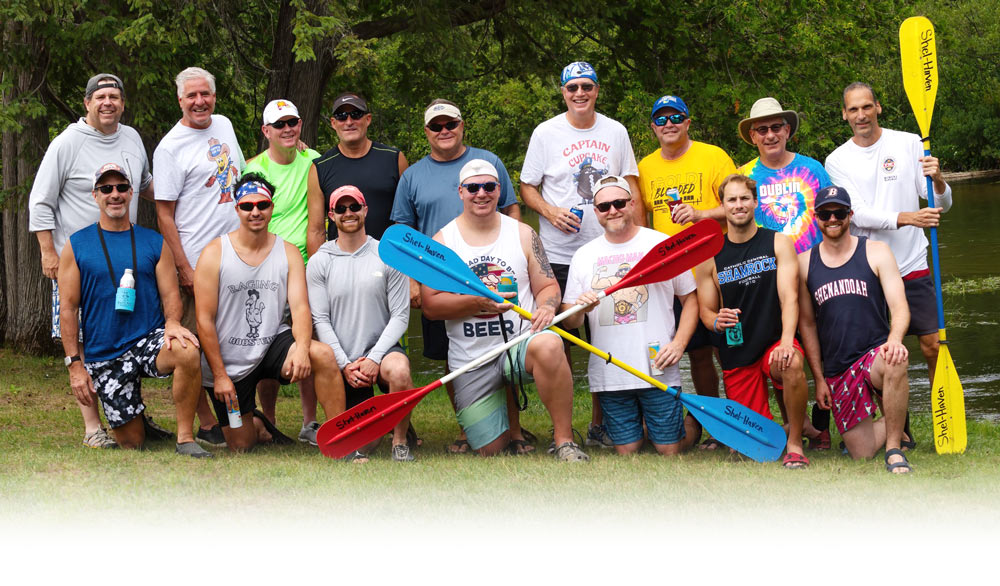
(375, 174)
(851, 312)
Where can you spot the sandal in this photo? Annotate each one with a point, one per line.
(459, 446)
(897, 465)
(356, 457)
(710, 444)
(793, 461)
(519, 448)
(277, 438)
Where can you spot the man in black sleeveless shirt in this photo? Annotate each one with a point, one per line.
(749, 293)
(846, 285)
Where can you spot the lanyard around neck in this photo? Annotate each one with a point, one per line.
(107, 257)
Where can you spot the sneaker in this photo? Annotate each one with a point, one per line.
(99, 439)
(212, 437)
(193, 449)
(154, 431)
(570, 452)
(597, 435)
(308, 433)
(401, 453)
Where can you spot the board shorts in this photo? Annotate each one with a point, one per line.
(118, 382)
(853, 392)
(357, 395)
(747, 385)
(701, 337)
(481, 394)
(625, 411)
(922, 300)
(56, 332)
(246, 387)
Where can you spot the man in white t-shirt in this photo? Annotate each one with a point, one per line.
(566, 156)
(635, 324)
(195, 167)
(886, 171)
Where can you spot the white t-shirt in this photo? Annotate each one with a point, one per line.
(566, 162)
(198, 169)
(628, 320)
(884, 179)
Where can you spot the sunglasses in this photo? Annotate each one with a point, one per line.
(435, 127)
(353, 115)
(282, 123)
(674, 118)
(354, 207)
(106, 189)
(775, 128)
(248, 206)
(839, 213)
(488, 187)
(587, 87)
(604, 206)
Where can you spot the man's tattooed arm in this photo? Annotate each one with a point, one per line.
(540, 257)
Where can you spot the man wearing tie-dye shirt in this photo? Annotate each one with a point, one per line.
(787, 182)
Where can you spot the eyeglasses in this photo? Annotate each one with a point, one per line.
(248, 206)
(604, 206)
(106, 189)
(488, 187)
(435, 127)
(674, 118)
(282, 123)
(586, 87)
(353, 115)
(354, 207)
(775, 128)
(839, 213)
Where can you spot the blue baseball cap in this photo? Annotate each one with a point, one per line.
(670, 102)
(578, 69)
(832, 194)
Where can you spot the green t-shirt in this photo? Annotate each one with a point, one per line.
(291, 184)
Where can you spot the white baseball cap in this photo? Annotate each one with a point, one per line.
(278, 109)
(477, 167)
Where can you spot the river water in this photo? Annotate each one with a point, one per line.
(970, 247)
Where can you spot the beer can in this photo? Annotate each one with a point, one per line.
(578, 213)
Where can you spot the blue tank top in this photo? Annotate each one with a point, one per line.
(107, 334)
(851, 312)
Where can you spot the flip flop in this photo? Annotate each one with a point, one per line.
(459, 446)
(277, 438)
(519, 448)
(710, 444)
(793, 461)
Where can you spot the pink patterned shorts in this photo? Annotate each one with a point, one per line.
(853, 392)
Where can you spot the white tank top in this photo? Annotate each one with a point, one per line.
(472, 337)
(251, 309)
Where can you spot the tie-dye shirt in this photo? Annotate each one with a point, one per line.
(785, 197)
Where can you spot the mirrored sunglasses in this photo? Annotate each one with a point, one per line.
(673, 118)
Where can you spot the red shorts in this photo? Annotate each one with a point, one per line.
(747, 385)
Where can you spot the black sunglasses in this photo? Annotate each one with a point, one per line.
(248, 206)
(775, 128)
(106, 189)
(604, 206)
(587, 87)
(839, 213)
(353, 115)
(488, 187)
(354, 207)
(282, 123)
(435, 127)
(675, 118)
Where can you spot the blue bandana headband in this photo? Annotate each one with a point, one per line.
(578, 69)
(252, 188)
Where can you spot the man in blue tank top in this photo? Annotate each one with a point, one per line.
(847, 284)
(115, 274)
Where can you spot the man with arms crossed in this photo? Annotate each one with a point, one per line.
(629, 326)
(496, 246)
(749, 292)
(243, 281)
(361, 308)
(847, 284)
(123, 342)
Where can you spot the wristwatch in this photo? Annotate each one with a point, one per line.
(71, 359)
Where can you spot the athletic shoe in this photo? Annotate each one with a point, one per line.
(193, 449)
(212, 437)
(99, 439)
(308, 433)
(597, 435)
(570, 452)
(401, 453)
(154, 431)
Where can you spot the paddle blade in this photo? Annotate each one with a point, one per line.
(674, 255)
(738, 427)
(918, 54)
(368, 421)
(948, 406)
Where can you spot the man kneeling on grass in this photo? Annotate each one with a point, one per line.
(630, 324)
(847, 285)
(117, 274)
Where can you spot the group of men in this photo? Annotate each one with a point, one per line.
(299, 253)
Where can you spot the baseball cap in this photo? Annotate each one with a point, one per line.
(477, 167)
(101, 81)
(346, 191)
(350, 100)
(832, 194)
(110, 168)
(669, 102)
(611, 181)
(441, 110)
(278, 109)
(578, 69)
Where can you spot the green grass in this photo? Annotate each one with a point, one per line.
(959, 286)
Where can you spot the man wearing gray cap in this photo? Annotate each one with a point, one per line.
(61, 200)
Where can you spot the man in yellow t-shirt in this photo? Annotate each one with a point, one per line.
(679, 183)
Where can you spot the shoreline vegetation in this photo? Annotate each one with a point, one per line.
(982, 175)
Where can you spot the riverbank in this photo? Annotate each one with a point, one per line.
(987, 175)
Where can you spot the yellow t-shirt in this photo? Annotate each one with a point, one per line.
(693, 179)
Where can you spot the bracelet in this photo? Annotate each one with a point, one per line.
(715, 325)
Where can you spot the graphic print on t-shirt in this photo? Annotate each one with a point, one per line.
(747, 272)
(785, 206)
(254, 310)
(677, 188)
(624, 306)
(226, 172)
(489, 269)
